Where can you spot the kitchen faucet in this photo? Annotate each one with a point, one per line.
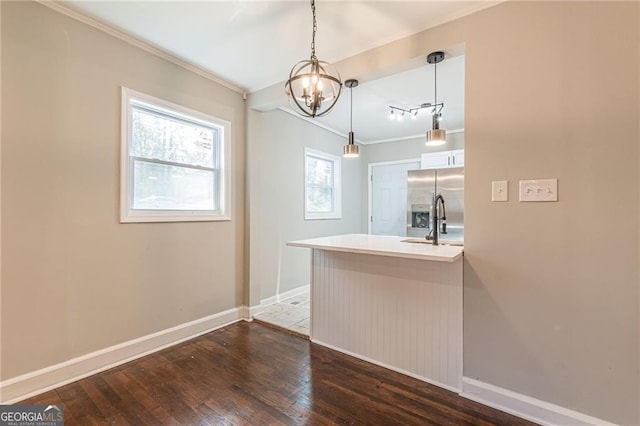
(435, 229)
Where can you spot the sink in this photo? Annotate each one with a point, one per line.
(425, 241)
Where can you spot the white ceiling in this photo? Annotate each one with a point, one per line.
(254, 44)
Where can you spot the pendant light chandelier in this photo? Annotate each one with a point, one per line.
(436, 136)
(351, 149)
(312, 90)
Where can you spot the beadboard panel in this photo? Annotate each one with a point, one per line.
(404, 314)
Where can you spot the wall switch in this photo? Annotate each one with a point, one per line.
(539, 190)
(500, 190)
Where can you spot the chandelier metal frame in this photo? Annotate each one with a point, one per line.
(311, 88)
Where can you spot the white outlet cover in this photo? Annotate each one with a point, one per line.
(539, 190)
(500, 190)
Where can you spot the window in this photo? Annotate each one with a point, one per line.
(174, 162)
(322, 193)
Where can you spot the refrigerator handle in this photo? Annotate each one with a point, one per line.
(448, 160)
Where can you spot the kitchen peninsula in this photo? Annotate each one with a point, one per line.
(394, 303)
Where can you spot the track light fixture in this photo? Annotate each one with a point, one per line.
(351, 149)
(311, 88)
(396, 112)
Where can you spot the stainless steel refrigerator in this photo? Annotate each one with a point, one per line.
(421, 187)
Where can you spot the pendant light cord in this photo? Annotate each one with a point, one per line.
(351, 115)
(435, 80)
(315, 28)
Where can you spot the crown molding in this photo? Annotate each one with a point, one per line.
(360, 142)
(406, 138)
(148, 47)
(318, 124)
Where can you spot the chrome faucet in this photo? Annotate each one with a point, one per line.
(435, 228)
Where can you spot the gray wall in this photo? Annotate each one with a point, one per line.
(550, 311)
(74, 280)
(276, 174)
(551, 298)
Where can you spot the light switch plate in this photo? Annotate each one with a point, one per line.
(500, 190)
(539, 190)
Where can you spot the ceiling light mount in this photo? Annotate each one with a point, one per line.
(313, 88)
(351, 83)
(351, 149)
(435, 57)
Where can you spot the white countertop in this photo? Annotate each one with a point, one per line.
(382, 245)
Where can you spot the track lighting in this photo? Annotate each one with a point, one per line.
(396, 113)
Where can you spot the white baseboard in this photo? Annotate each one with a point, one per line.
(255, 310)
(36, 382)
(264, 303)
(269, 301)
(523, 406)
(294, 292)
(245, 313)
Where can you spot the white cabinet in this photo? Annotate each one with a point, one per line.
(436, 160)
(457, 158)
(442, 159)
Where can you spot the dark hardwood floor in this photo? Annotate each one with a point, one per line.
(249, 374)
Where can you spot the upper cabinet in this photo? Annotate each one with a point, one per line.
(457, 158)
(442, 159)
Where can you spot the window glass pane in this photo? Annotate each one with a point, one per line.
(162, 187)
(319, 171)
(164, 138)
(319, 199)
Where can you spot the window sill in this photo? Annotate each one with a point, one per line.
(322, 217)
(159, 217)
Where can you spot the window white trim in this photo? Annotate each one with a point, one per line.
(337, 185)
(127, 214)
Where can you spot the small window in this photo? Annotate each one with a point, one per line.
(322, 189)
(174, 162)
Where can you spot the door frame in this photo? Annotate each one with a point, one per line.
(370, 182)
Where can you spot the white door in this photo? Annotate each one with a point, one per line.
(388, 213)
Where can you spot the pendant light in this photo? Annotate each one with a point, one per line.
(312, 89)
(351, 149)
(436, 136)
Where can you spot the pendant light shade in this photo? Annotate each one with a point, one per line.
(313, 88)
(435, 136)
(351, 149)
